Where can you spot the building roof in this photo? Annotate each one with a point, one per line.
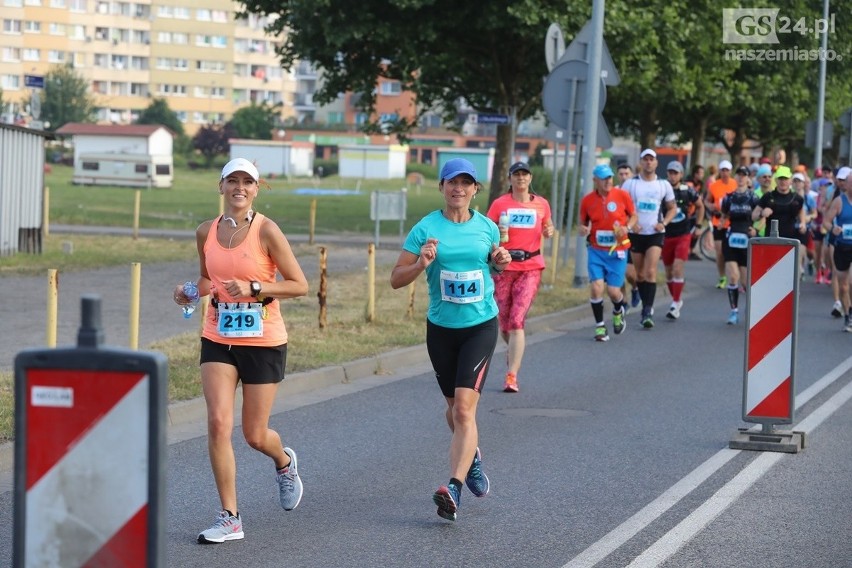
(85, 129)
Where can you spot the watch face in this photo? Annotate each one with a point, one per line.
(255, 287)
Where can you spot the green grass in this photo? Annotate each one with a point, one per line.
(194, 197)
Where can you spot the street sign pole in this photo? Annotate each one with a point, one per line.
(590, 128)
(570, 130)
(574, 192)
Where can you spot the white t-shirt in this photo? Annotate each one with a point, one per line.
(648, 198)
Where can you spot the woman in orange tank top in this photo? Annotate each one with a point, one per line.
(244, 338)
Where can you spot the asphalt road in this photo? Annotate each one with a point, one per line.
(613, 454)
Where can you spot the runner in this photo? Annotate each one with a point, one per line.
(625, 172)
(655, 206)
(736, 209)
(516, 288)
(457, 248)
(715, 192)
(679, 235)
(838, 220)
(606, 216)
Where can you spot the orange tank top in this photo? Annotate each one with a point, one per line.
(246, 261)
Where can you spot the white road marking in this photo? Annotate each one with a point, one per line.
(679, 535)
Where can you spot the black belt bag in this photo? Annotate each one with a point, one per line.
(521, 255)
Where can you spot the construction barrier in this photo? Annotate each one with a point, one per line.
(90, 441)
(770, 346)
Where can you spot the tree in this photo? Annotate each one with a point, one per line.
(212, 141)
(65, 98)
(490, 59)
(256, 121)
(158, 112)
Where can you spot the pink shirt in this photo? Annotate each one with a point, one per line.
(526, 221)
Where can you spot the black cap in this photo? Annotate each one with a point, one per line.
(519, 166)
(742, 170)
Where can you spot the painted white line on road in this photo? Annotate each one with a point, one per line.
(648, 514)
(686, 530)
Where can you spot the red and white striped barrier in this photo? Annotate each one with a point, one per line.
(768, 394)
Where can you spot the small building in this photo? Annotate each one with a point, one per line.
(373, 162)
(274, 157)
(134, 155)
(481, 158)
(22, 193)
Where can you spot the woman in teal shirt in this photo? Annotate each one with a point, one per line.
(458, 248)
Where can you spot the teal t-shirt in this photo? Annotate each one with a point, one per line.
(461, 291)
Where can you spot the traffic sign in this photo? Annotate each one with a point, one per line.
(491, 118)
(555, 95)
(579, 49)
(554, 46)
(34, 81)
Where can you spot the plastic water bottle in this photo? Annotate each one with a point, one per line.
(190, 290)
(503, 225)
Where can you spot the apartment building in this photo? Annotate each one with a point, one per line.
(195, 54)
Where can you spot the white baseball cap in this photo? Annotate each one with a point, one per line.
(798, 176)
(647, 152)
(725, 165)
(843, 172)
(240, 165)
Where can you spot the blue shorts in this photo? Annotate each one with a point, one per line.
(606, 266)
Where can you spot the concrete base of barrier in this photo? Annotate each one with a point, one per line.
(786, 441)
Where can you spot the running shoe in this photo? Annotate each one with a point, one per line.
(648, 318)
(226, 527)
(511, 383)
(837, 309)
(693, 256)
(734, 318)
(447, 499)
(811, 268)
(618, 326)
(674, 310)
(289, 483)
(476, 480)
(847, 324)
(601, 334)
(634, 297)
(723, 282)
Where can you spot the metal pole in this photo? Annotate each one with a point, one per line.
(821, 97)
(590, 128)
(554, 187)
(570, 131)
(574, 192)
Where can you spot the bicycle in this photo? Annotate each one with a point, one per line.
(705, 242)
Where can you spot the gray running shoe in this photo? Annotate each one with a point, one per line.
(226, 527)
(289, 484)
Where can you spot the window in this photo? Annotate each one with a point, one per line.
(13, 3)
(56, 29)
(12, 54)
(164, 63)
(78, 5)
(163, 169)
(335, 118)
(164, 37)
(57, 3)
(12, 26)
(181, 13)
(220, 16)
(31, 54)
(180, 38)
(390, 88)
(10, 82)
(56, 56)
(202, 15)
(32, 27)
(141, 168)
(165, 11)
(91, 166)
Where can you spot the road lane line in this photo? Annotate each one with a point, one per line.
(696, 521)
(648, 514)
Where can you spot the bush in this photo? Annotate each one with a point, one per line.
(325, 168)
(426, 170)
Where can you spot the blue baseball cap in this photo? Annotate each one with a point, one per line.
(764, 170)
(457, 166)
(602, 171)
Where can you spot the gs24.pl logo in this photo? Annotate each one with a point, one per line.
(763, 25)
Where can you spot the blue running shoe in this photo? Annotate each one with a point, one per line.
(634, 297)
(447, 499)
(733, 319)
(476, 480)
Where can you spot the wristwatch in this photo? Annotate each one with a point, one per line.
(255, 288)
